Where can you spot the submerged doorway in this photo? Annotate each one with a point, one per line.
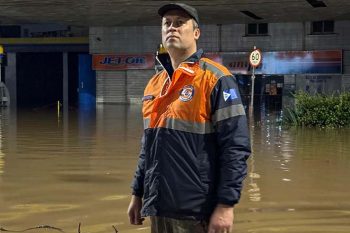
(39, 79)
(267, 91)
(271, 89)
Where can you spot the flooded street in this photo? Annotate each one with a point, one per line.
(61, 170)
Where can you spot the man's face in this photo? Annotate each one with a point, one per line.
(178, 31)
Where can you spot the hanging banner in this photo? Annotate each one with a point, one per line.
(281, 62)
(287, 62)
(237, 62)
(123, 61)
(302, 62)
(214, 56)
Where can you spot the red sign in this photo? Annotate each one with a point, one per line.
(122, 62)
(214, 56)
(287, 62)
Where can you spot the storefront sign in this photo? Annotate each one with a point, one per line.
(283, 62)
(122, 62)
(287, 62)
(214, 56)
(237, 63)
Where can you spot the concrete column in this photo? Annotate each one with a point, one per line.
(65, 82)
(10, 118)
(11, 79)
(65, 99)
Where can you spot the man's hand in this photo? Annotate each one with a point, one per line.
(134, 211)
(221, 220)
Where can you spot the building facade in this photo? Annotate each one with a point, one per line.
(234, 40)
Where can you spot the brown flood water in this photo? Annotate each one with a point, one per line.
(61, 171)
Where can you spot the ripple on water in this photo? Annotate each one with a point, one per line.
(36, 208)
(302, 219)
(114, 197)
(22, 210)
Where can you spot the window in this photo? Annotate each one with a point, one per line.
(257, 29)
(322, 27)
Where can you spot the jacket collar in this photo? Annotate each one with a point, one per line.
(165, 61)
(196, 56)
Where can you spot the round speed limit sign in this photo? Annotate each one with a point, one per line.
(255, 58)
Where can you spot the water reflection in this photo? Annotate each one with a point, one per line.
(300, 180)
(2, 161)
(276, 141)
(253, 176)
(254, 190)
(78, 168)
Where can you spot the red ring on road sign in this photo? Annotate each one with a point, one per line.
(260, 53)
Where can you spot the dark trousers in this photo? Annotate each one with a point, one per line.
(171, 225)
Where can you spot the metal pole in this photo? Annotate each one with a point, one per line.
(65, 84)
(252, 93)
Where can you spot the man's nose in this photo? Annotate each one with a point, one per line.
(172, 27)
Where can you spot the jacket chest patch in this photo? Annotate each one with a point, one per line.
(186, 93)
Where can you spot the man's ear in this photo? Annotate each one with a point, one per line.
(197, 33)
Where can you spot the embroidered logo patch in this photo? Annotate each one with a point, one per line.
(230, 94)
(147, 97)
(186, 93)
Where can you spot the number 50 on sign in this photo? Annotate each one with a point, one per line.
(255, 58)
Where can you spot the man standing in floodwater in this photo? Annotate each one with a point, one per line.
(196, 141)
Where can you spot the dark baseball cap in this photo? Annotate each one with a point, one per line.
(191, 11)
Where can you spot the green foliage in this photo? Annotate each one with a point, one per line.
(319, 111)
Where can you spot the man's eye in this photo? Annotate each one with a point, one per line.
(167, 23)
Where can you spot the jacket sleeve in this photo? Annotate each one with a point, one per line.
(233, 142)
(137, 184)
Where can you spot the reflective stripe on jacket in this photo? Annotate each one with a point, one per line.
(195, 143)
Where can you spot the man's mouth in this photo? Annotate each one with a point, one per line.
(171, 37)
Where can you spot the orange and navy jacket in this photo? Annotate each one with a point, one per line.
(195, 142)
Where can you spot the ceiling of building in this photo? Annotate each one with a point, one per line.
(136, 12)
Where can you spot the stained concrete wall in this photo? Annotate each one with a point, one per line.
(124, 39)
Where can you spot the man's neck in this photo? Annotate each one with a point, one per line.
(178, 56)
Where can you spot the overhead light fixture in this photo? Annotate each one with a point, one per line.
(251, 15)
(316, 3)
